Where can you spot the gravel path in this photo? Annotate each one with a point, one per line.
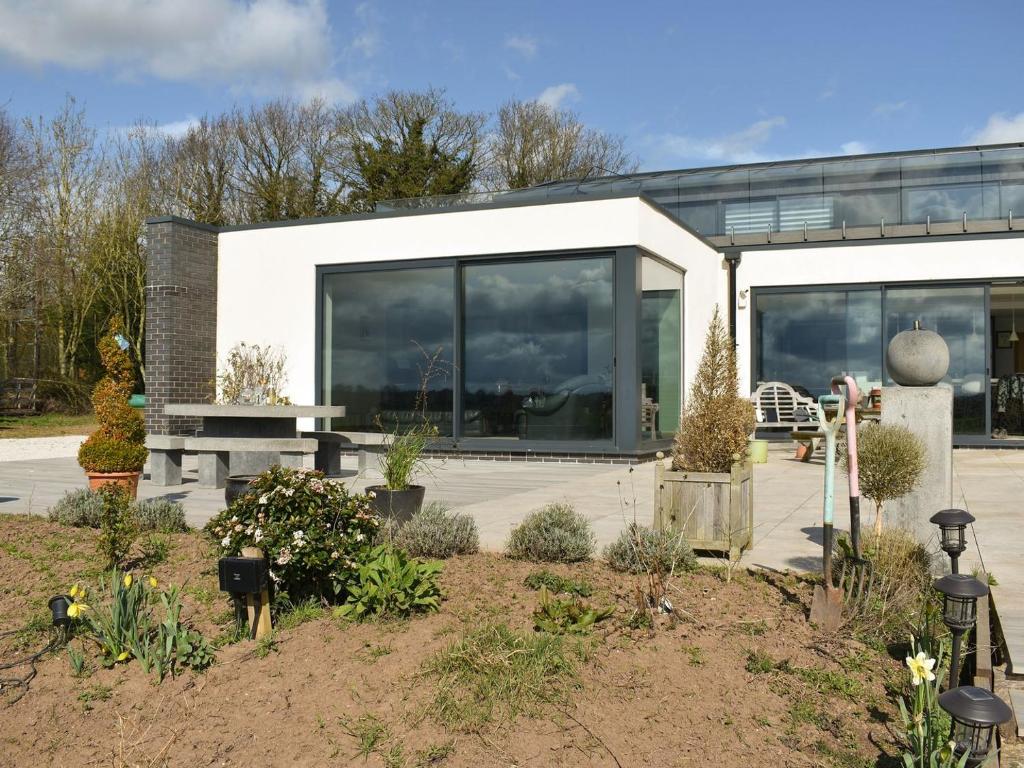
(28, 448)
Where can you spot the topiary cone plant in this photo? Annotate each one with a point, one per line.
(116, 451)
(716, 422)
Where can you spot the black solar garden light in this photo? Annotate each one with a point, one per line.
(960, 593)
(952, 524)
(976, 713)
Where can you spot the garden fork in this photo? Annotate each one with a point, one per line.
(857, 577)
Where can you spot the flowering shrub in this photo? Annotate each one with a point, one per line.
(313, 532)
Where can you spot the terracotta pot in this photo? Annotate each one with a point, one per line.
(801, 451)
(127, 480)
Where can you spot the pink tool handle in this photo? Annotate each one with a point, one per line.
(852, 398)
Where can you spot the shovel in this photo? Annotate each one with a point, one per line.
(827, 605)
(857, 578)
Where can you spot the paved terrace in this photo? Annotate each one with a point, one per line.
(787, 494)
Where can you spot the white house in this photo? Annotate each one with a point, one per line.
(557, 316)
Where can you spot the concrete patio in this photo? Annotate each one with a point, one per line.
(498, 495)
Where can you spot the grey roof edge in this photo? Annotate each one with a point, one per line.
(498, 204)
(729, 250)
(183, 222)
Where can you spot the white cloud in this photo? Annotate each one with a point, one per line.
(555, 96)
(262, 45)
(739, 147)
(178, 128)
(1000, 129)
(523, 45)
(889, 108)
(855, 148)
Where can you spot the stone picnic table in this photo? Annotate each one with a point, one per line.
(248, 439)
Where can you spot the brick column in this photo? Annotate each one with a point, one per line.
(181, 320)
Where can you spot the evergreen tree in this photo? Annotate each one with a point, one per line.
(716, 422)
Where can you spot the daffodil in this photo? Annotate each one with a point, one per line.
(152, 582)
(127, 581)
(921, 668)
(123, 655)
(74, 591)
(77, 609)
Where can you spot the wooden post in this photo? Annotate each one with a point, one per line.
(659, 489)
(262, 621)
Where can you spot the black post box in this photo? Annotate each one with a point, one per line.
(242, 574)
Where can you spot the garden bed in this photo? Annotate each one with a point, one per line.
(738, 679)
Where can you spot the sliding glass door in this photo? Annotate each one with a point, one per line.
(804, 336)
(538, 349)
(387, 352)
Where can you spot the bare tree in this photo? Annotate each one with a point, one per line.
(409, 144)
(200, 175)
(70, 168)
(533, 143)
(138, 162)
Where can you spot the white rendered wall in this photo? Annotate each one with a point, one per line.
(266, 280)
(960, 259)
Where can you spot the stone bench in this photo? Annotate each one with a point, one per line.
(165, 458)
(328, 452)
(214, 453)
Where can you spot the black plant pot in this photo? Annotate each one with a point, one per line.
(399, 506)
(235, 486)
(59, 609)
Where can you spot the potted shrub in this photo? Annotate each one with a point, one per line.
(398, 499)
(708, 492)
(115, 452)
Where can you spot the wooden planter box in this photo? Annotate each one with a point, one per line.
(713, 510)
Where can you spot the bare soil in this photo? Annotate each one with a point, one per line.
(327, 692)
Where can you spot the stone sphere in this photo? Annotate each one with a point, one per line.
(917, 357)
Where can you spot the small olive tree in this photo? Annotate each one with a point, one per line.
(890, 461)
(717, 421)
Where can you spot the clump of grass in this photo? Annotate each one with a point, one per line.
(369, 731)
(292, 616)
(434, 532)
(822, 680)
(640, 549)
(557, 584)
(556, 533)
(497, 673)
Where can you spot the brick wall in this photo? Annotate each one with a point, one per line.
(181, 320)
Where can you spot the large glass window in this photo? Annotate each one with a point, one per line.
(381, 331)
(661, 348)
(538, 349)
(806, 338)
(958, 315)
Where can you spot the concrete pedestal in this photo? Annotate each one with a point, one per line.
(165, 467)
(928, 413)
(213, 469)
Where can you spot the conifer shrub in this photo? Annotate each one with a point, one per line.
(716, 422)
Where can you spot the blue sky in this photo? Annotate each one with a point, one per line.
(687, 84)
